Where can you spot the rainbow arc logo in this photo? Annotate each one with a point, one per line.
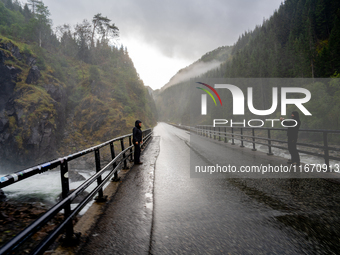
(208, 92)
(204, 97)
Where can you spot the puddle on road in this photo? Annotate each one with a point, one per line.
(149, 206)
(149, 203)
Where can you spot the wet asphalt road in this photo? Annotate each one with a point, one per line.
(215, 216)
(125, 225)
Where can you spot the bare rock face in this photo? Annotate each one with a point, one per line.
(30, 60)
(12, 48)
(56, 92)
(15, 51)
(8, 78)
(3, 122)
(33, 75)
(29, 130)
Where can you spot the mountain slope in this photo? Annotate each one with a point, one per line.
(300, 40)
(61, 95)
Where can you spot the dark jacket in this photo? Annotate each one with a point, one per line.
(292, 132)
(137, 133)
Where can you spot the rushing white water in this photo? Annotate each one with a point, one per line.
(42, 187)
(46, 188)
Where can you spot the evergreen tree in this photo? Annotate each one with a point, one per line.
(27, 13)
(334, 46)
(83, 38)
(104, 29)
(33, 4)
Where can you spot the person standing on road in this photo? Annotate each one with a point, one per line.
(137, 139)
(292, 134)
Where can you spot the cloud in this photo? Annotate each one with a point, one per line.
(178, 28)
(191, 28)
(179, 31)
(192, 71)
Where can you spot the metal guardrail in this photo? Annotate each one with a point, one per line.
(67, 198)
(214, 132)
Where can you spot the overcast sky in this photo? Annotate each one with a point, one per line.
(163, 36)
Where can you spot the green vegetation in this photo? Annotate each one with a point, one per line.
(300, 40)
(84, 78)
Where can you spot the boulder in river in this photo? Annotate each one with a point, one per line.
(3, 197)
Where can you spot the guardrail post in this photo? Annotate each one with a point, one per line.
(143, 135)
(113, 155)
(130, 143)
(225, 135)
(253, 132)
(219, 133)
(242, 138)
(325, 144)
(100, 197)
(70, 237)
(65, 191)
(232, 136)
(210, 131)
(122, 145)
(269, 144)
(214, 133)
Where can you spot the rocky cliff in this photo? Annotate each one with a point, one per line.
(52, 105)
(32, 110)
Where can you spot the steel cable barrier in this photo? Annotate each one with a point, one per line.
(119, 160)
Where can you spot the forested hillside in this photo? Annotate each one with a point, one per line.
(300, 40)
(66, 89)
